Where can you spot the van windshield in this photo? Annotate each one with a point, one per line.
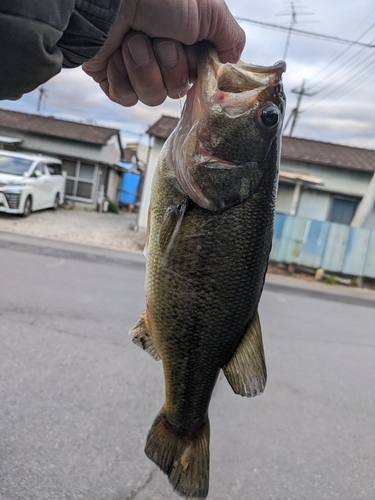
(13, 165)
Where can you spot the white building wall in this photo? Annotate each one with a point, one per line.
(108, 154)
(146, 191)
(314, 204)
(284, 197)
(335, 179)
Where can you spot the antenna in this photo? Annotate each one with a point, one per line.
(293, 22)
(295, 111)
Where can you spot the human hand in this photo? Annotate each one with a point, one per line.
(149, 53)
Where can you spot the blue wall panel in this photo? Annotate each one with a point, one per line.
(278, 228)
(313, 243)
(319, 244)
(334, 251)
(369, 267)
(356, 250)
(292, 238)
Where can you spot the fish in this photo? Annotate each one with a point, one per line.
(209, 239)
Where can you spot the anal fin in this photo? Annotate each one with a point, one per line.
(246, 371)
(142, 337)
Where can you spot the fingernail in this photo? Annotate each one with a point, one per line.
(167, 54)
(119, 63)
(139, 50)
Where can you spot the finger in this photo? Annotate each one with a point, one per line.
(143, 69)
(191, 22)
(119, 88)
(173, 65)
(226, 34)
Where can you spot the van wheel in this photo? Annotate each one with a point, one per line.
(56, 202)
(27, 207)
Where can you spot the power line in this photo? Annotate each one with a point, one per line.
(344, 90)
(340, 54)
(345, 74)
(357, 73)
(306, 33)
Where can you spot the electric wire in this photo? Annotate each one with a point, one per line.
(365, 67)
(338, 56)
(345, 72)
(305, 33)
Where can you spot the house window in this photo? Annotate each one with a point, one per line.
(342, 209)
(80, 181)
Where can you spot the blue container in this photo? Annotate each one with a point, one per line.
(129, 186)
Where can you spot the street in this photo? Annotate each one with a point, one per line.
(78, 397)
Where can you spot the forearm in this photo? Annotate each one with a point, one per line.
(38, 38)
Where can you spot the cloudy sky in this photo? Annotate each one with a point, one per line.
(339, 75)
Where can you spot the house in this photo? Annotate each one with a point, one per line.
(90, 154)
(318, 180)
(327, 182)
(159, 133)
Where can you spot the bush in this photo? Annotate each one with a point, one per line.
(112, 207)
(329, 280)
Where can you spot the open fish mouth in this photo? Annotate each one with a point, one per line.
(238, 85)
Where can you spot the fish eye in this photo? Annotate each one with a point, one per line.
(269, 116)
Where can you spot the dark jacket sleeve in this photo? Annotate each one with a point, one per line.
(39, 37)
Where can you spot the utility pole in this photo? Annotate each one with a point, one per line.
(296, 111)
(42, 93)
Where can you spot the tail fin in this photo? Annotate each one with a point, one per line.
(185, 460)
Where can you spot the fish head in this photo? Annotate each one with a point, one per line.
(229, 130)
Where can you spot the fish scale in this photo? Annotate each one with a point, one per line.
(211, 223)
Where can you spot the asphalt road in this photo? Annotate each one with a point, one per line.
(77, 397)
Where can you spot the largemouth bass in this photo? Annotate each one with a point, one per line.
(210, 232)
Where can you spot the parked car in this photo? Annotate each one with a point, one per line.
(30, 182)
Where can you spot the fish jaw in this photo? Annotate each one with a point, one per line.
(220, 146)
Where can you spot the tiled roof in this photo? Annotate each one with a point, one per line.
(163, 127)
(48, 125)
(326, 153)
(297, 149)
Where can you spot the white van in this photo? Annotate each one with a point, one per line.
(30, 182)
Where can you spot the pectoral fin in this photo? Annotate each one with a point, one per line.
(169, 228)
(246, 371)
(142, 337)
